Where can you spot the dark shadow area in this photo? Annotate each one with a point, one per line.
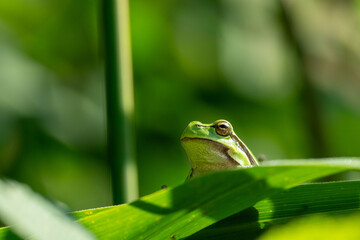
(192, 203)
(215, 202)
(242, 225)
(327, 198)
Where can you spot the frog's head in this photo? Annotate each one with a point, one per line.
(214, 146)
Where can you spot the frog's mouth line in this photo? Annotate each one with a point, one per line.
(224, 149)
(203, 139)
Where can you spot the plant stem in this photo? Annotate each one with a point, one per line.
(310, 105)
(119, 100)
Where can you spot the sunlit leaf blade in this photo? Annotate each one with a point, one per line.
(90, 212)
(5, 232)
(318, 227)
(184, 210)
(32, 216)
(331, 198)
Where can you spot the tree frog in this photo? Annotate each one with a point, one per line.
(213, 147)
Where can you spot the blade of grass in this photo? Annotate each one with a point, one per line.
(7, 234)
(184, 210)
(332, 198)
(33, 216)
(120, 100)
(308, 199)
(309, 100)
(318, 227)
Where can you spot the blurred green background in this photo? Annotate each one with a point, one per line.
(288, 81)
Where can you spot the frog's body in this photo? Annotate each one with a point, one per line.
(213, 147)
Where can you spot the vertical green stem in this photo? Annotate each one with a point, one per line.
(310, 105)
(119, 100)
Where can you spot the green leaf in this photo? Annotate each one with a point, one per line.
(318, 227)
(5, 233)
(332, 198)
(179, 212)
(33, 216)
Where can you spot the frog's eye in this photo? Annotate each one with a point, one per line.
(223, 128)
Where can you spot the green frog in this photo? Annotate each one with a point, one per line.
(213, 147)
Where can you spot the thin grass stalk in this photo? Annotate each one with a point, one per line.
(310, 109)
(119, 100)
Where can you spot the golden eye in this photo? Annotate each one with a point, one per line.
(223, 128)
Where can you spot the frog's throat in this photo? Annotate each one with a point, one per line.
(224, 149)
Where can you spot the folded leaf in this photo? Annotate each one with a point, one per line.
(333, 198)
(33, 216)
(179, 212)
(182, 211)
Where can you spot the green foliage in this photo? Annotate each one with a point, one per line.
(245, 61)
(318, 227)
(333, 198)
(239, 202)
(193, 60)
(33, 216)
